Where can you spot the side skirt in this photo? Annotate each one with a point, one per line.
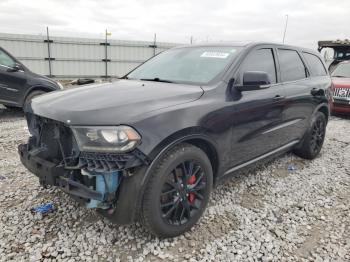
(269, 154)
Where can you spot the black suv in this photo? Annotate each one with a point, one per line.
(18, 85)
(151, 146)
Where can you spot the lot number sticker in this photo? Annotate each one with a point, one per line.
(215, 55)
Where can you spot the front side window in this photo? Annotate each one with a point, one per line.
(260, 60)
(316, 66)
(291, 66)
(192, 65)
(5, 60)
(342, 70)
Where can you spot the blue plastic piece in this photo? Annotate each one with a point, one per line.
(105, 183)
(291, 168)
(44, 208)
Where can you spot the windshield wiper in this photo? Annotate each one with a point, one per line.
(156, 79)
(338, 76)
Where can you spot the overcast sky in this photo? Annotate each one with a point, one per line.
(178, 20)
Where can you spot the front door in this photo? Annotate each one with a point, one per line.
(12, 82)
(258, 113)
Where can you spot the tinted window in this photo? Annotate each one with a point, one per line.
(316, 66)
(5, 60)
(260, 60)
(292, 67)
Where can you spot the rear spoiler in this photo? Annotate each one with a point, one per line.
(333, 44)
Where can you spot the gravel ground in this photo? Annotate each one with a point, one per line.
(271, 214)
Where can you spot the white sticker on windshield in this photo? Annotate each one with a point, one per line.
(215, 55)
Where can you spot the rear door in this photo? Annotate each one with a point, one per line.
(298, 85)
(12, 83)
(259, 112)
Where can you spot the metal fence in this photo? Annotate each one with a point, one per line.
(67, 58)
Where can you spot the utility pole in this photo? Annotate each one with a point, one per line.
(48, 50)
(191, 40)
(106, 56)
(285, 29)
(155, 44)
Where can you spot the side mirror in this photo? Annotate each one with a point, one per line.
(254, 80)
(17, 67)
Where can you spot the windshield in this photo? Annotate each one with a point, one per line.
(196, 65)
(342, 70)
(342, 54)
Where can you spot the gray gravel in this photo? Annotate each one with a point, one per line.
(271, 214)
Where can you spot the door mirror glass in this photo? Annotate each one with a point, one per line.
(254, 80)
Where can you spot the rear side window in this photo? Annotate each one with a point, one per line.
(316, 66)
(292, 67)
(5, 60)
(260, 60)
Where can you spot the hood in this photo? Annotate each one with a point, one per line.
(341, 82)
(112, 103)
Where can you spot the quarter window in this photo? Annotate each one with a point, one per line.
(261, 60)
(292, 67)
(316, 66)
(5, 60)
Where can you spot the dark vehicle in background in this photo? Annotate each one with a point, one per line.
(151, 146)
(341, 88)
(18, 85)
(340, 50)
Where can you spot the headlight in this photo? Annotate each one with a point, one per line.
(109, 139)
(60, 85)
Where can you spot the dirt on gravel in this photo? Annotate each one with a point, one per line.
(270, 214)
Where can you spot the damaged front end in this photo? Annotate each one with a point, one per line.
(54, 155)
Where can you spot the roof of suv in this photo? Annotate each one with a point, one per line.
(251, 44)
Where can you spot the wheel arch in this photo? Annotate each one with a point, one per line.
(194, 136)
(324, 109)
(36, 88)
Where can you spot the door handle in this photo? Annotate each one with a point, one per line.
(279, 97)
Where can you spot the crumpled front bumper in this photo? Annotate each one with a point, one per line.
(47, 172)
(127, 205)
(51, 174)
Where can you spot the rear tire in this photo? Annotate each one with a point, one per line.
(178, 191)
(314, 138)
(30, 96)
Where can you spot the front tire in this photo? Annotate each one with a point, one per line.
(178, 191)
(314, 137)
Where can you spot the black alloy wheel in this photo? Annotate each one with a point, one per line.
(178, 191)
(318, 135)
(314, 137)
(182, 193)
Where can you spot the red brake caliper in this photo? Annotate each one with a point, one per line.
(191, 181)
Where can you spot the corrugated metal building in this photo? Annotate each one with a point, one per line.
(63, 57)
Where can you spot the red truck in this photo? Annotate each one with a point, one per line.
(339, 67)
